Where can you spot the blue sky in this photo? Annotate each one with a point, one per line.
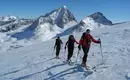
(115, 10)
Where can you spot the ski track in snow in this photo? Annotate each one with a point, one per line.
(36, 61)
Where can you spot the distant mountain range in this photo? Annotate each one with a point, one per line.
(60, 21)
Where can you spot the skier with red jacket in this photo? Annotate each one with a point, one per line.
(85, 42)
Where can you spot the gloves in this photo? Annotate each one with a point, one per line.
(79, 47)
(54, 47)
(65, 47)
(99, 41)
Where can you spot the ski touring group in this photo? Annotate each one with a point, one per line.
(84, 43)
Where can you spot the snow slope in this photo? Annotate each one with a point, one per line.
(36, 61)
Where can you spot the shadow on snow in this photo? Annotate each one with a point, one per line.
(74, 69)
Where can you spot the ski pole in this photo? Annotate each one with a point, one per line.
(63, 52)
(77, 55)
(101, 50)
(53, 50)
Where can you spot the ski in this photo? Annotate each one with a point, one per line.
(88, 70)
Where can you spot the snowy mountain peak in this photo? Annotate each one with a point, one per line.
(49, 25)
(100, 18)
(59, 17)
(96, 20)
(12, 17)
(64, 7)
(8, 18)
(98, 14)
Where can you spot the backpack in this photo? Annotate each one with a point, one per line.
(86, 38)
(58, 42)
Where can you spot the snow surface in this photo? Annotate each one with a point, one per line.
(128, 75)
(47, 31)
(34, 60)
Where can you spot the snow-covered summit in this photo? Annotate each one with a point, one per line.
(6, 26)
(49, 25)
(8, 18)
(96, 20)
(60, 17)
(100, 18)
(64, 6)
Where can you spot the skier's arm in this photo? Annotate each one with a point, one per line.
(80, 42)
(95, 41)
(76, 41)
(66, 44)
(61, 41)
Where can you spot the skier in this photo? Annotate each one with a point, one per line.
(85, 42)
(58, 43)
(70, 44)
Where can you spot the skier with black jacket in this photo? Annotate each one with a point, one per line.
(85, 42)
(58, 43)
(70, 44)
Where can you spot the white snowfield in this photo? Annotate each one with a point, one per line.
(36, 61)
